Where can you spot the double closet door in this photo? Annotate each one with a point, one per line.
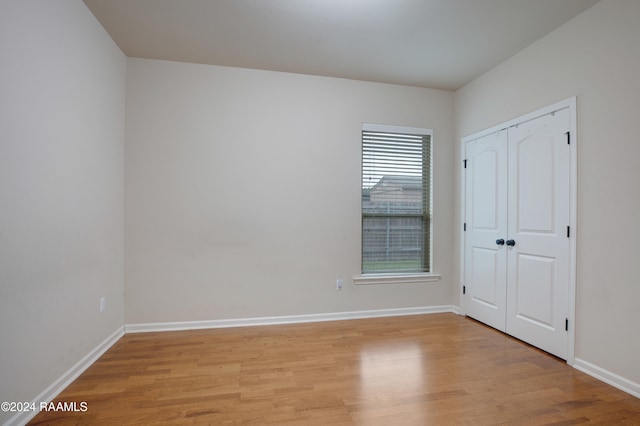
(517, 238)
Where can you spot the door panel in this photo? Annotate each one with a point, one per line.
(535, 289)
(486, 176)
(485, 261)
(535, 186)
(538, 214)
(484, 268)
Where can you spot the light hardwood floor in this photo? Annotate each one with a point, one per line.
(439, 369)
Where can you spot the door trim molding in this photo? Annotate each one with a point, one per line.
(570, 103)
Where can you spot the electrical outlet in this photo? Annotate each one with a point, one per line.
(339, 283)
(103, 304)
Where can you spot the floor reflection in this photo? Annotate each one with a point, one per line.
(392, 374)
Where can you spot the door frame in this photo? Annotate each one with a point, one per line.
(567, 103)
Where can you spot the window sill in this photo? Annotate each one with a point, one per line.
(371, 279)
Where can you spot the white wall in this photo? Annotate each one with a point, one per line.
(242, 192)
(62, 99)
(596, 57)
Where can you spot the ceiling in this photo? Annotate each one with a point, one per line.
(440, 44)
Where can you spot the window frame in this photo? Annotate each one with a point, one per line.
(426, 274)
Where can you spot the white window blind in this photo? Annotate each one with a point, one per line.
(396, 199)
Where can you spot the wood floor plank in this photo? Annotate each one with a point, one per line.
(413, 370)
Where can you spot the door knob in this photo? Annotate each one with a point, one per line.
(511, 243)
(500, 242)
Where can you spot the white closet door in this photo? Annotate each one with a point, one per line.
(486, 223)
(538, 216)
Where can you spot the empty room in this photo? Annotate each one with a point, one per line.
(345, 212)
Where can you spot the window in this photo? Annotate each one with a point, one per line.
(396, 199)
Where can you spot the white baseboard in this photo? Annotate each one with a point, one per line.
(608, 377)
(290, 319)
(65, 380)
